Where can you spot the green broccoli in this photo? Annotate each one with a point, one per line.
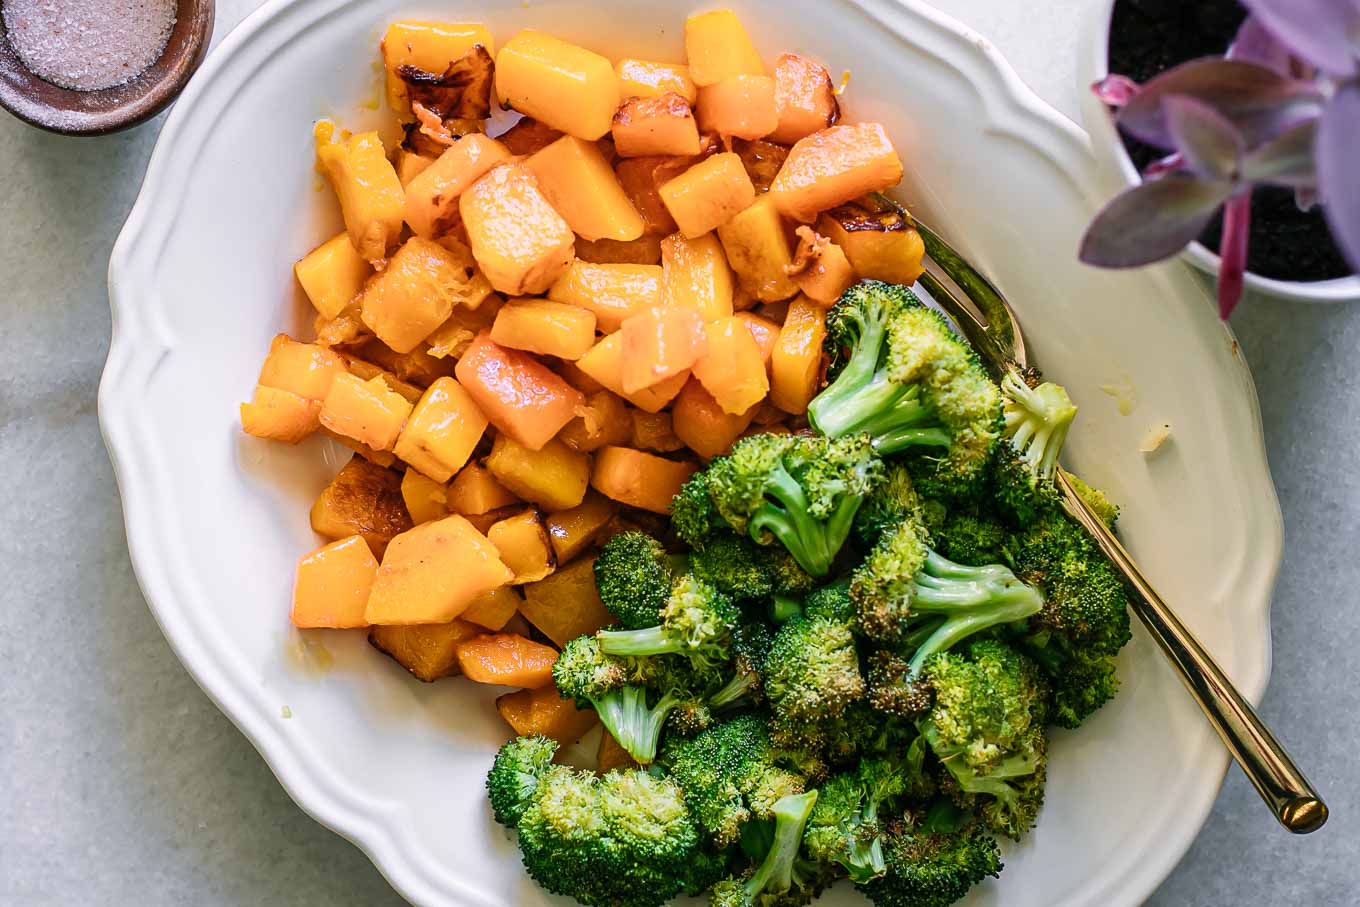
(781, 878)
(811, 675)
(847, 824)
(1107, 510)
(932, 864)
(729, 776)
(832, 602)
(902, 376)
(750, 648)
(634, 575)
(747, 571)
(1037, 419)
(514, 775)
(970, 538)
(693, 514)
(696, 621)
(797, 490)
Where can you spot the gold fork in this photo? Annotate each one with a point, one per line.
(989, 323)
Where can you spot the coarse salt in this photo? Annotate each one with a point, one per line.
(87, 45)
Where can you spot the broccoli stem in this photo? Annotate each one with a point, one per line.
(647, 641)
(775, 873)
(732, 691)
(890, 413)
(637, 728)
(813, 543)
(783, 609)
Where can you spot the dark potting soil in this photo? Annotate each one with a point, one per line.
(1150, 36)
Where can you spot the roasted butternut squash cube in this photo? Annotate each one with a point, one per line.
(638, 479)
(731, 367)
(431, 206)
(429, 574)
(880, 243)
(416, 368)
(545, 327)
(363, 499)
(443, 430)
(642, 179)
(660, 125)
(366, 411)
(475, 491)
(521, 244)
(762, 161)
(304, 369)
(605, 363)
(426, 500)
(703, 425)
(506, 659)
(566, 605)
(575, 529)
(572, 374)
(483, 522)
(280, 415)
(410, 165)
(528, 136)
(820, 268)
(429, 46)
(645, 250)
(582, 187)
(614, 292)
(717, 47)
(833, 166)
(649, 79)
(493, 610)
(758, 250)
(739, 106)
(521, 396)
(553, 476)
(763, 331)
(524, 546)
(452, 338)
(566, 86)
(695, 275)
(414, 294)
(428, 651)
(544, 711)
(659, 344)
(654, 431)
(332, 274)
(804, 98)
(709, 194)
(796, 364)
(332, 585)
(371, 197)
(602, 419)
(367, 371)
(345, 328)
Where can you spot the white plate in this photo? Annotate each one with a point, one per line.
(200, 280)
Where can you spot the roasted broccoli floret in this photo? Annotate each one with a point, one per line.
(694, 517)
(747, 571)
(902, 376)
(633, 575)
(696, 621)
(1107, 510)
(729, 776)
(780, 878)
(800, 491)
(514, 775)
(970, 538)
(811, 676)
(1037, 419)
(847, 826)
(750, 648)
(832, 602)
(932, 864)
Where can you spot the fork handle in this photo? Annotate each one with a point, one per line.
(1279, 782)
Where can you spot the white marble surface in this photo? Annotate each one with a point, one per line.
(122, 784)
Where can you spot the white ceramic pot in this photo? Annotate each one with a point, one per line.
(1115, 162)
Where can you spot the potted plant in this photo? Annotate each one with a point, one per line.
(1235, 126)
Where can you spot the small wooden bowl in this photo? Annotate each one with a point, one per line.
(68, 112)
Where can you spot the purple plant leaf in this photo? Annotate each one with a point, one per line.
(1164, 165)
(1338, 175)
(1326, 33)
(1211, 145)
(1115, 90)
(1260, 102)
(1286, 160)
(1257, 44)
(1232, 252)
(1151, 221)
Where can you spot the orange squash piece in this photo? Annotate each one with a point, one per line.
(717, 47)
(429, 574)
(659, 125)
(796, 364)
(602, 419)
(833, 166)
(426, 500)
(410, 165)
(524, 547)
(507, 660)
(332, 274)
(428, 651)
(545, 327)
(414, 294)
(431, 206)
(366, 411)
(304, 369)
(741, 106)
(475, 491)
(575, 529)
(582, 187)
(279, 415)
(566, 604)
(544, 711)
(453, 337)
(332, 584)
(820, 268)
(521, 244)
(763, 331)
(614, 292)
(429, 46)
(528, 136)
(553, 476)
(605, 364)
(566, 86)
(654, 431)
(639, 479)
(642, 178)
(695, 275)
(519, 394)
(708, 194)
(880, 243)
(363, 499)
(732, 368)
(758, 251)
(703, 425)
(645, 250)
(804, 98)
(648, 79)
(371, 197)
(493, 610)
(659, 344)
(443, 430)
